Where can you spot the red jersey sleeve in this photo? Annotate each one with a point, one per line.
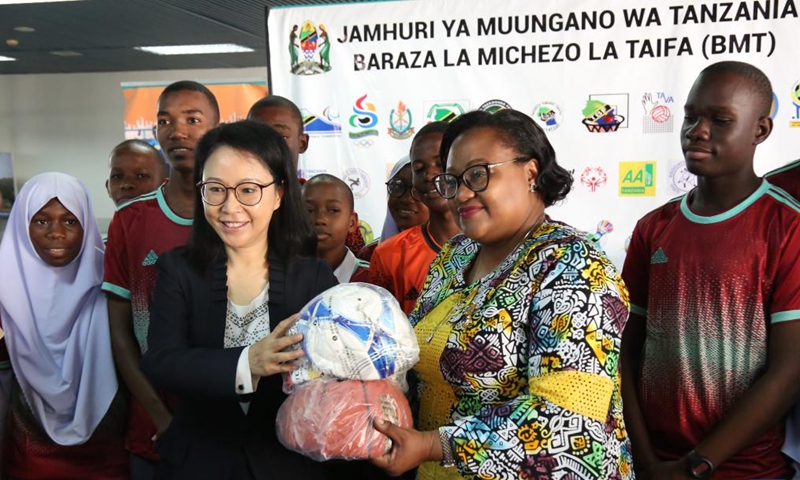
(116, 272)
(635, 271)
(785, 305)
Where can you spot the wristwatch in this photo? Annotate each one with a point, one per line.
(699, 466)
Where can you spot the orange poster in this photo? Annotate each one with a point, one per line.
(234, 98)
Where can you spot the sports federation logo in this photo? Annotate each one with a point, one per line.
(400, 120)
(325, 125)
(445, 110)
(795, 121)
(494, 106)
(680, 179)
(363, 122)
(604, 227)
(547, 115)
(657, 114)
(606, 112)
(313, 42)
(593, 178)
(358, 181)
(637, 179)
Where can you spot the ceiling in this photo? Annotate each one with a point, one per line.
(103, 32)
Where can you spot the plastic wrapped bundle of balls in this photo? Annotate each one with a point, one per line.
(358, 343)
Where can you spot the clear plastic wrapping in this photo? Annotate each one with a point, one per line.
(333, 419)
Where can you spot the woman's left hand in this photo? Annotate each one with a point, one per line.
(410, 448)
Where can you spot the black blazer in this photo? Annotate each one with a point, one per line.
(210, 436)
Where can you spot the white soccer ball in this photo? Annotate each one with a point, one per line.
(357, 331)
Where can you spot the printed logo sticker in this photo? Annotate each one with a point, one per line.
(400, 121)
(547, 115)
(593, 178)
(795, 121)
(680, 179)
(637, 179)
(493, 106)
(313, 43)
(606, 112)
(657, 114)
(325, 125)
(445, 110)
(357, 180)
(363, 122)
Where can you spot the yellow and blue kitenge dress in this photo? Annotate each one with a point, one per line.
(521, 367)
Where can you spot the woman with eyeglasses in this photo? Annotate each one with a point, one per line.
(217, 332)
(403, 209)
(519, 324)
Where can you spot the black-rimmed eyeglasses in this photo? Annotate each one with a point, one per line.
(476, 178)
(397, 188)
(247, 193)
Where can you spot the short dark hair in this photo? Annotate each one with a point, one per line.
(762, 88)
(276, 101)
(328, 178)
(141, 145)
(290, 233)
(192, 86)
(521, 133)
(429, 129)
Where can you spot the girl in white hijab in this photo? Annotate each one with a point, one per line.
(56, 324)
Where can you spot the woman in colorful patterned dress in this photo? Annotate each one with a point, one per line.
(519, 324)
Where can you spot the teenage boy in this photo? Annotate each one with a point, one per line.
(401, 263)
(709, 354)
(283, 116)
(140, 231)
(134, 168)
(329, 202)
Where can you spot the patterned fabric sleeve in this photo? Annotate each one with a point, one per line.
(566, 421)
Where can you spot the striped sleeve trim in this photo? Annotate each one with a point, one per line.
(781, 196)
(784, 168)
(636, 309)
(787, 316)
(116, 290)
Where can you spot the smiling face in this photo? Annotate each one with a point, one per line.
(132, 173)
(240, 226)
(183, 118)
(331, 213)
(406, 211)
(507, 206)
(424, 166)
(284, 121)
(722, 125)
(56, 234)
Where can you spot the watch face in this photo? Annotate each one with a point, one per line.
(700, 466)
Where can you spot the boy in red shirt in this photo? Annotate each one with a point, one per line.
(140, 231)
(709, 354)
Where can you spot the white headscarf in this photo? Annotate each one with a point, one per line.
(390, 228)
(56, 318)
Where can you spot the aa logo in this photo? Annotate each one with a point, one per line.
(637, 179)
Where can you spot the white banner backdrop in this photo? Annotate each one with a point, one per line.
(606, 80)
